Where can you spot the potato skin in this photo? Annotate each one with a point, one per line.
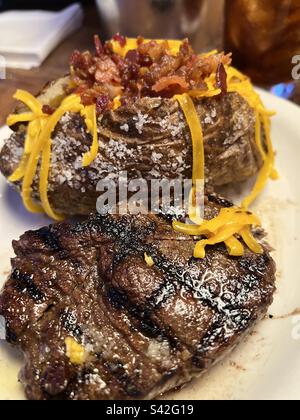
(149, 139)
(52, 94)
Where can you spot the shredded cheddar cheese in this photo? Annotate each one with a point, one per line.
(117, 103)
(238, 82)
(234, 247)
(38, 146)
(223, 228)
(18, 118)
(194, 124)
(230, 223)
(131, 44)
(90, 116)
(149, 260)
(75, 352)
(31, 102)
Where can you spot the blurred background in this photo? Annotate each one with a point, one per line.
(34, 4)
(264, 36)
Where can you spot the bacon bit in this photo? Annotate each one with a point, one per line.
(123, 101)
(98, 45)
(149, 70)
(102, 104)
(47, 109)
(120, 39)
(221, 77)
(76, 59)
(106, 71)
(132, 56)
(145, 60)
(174, 82)
(140, 40)
(81, 63)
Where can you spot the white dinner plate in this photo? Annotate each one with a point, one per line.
(266, 365)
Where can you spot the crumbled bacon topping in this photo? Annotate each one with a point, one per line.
(221, 78)
(102, 104)
(98, 45)
(120, 39)
(149, 70)
(176, 84)
(47, 109)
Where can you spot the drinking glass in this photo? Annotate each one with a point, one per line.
(264, 37)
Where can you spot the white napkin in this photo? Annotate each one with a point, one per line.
(28, 37)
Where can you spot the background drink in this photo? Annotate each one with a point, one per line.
(263, 35)
(199, 20)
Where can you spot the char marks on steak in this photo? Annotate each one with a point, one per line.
(145, 329)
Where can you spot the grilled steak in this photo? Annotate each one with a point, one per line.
(144, 329)
(149, 139)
